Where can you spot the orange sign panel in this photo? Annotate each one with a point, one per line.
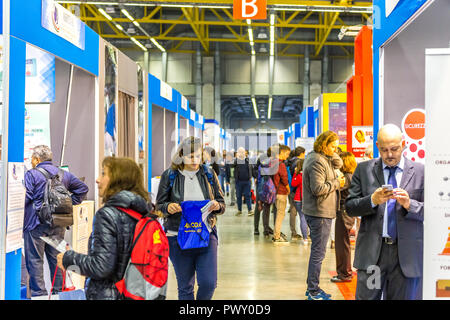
(250, 9)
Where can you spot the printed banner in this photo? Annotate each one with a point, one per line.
(362, 137)
(413, 127)
(250, 9)
(338, 120)
(40, 76)
(37, 129)
(16, 206)
(57, 19)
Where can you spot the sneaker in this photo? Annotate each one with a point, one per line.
(228, 194)
(280, 240)
(305, 242)
(270, 230)
(283, 236)
(296, 237)
(232, 204)
(256, 233)
(336, 279)
(320, 290)
(320, 296)
(251, 213)
(238, 213)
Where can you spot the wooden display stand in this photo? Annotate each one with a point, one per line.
(83, 216)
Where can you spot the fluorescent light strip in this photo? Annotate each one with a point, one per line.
(136, 23)
(176, 5)
(272, 34)
(255, 108)
(118, 26)
(250, 34)
(270, 108)
(127, 14)
(138, 44)
(103, 12)
(157, 44)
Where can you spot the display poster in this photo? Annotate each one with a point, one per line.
(307, 143)
(37, 129)
(362, 137)
(39, 76)
(83, 215)
(390, 6)
(60, 21)
(184, 103)
(141, 113)
(110, 101)
(413, 128)
(192, 115)
(16, 206)
(436, 254)
(280, 136)
(166, 91)
(338, 120)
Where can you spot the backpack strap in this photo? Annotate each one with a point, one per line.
(209, 175)
(44, 172)
(131, 213)
(172, 175)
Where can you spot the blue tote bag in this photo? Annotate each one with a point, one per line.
(192, 233)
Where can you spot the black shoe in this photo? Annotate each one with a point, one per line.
(336, 279)
(270, 230)
(232, 204)
(228, 194)
(256, 233)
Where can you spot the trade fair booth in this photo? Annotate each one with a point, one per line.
(192, 123)
(410, 80)
(198, 126)
(332, 115)
(49, 92)
(212, 134)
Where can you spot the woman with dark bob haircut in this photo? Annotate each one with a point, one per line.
(121, 184)
(189, 180)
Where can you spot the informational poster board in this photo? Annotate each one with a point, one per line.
(307, 143)
(362, 137)
(16, 206)
(37, 129)
(338, 120)
(413, 127)
(39, 76)
(436, 271)
(83, 215)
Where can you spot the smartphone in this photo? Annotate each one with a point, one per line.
(387, 187)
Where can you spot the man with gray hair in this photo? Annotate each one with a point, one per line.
(34, 228)
(387, 193)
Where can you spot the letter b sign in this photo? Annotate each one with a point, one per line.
(249, 9)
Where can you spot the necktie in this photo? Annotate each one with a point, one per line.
(392, 220)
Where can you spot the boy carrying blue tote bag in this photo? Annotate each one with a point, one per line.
(194, 229)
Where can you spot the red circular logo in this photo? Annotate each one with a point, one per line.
(414, 124)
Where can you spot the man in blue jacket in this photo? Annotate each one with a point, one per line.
(33, 228)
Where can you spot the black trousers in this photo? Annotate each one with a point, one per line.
(386, 279)
(343, 250)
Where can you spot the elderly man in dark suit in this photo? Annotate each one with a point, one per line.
(389, 248)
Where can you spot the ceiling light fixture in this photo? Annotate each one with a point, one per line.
(270, 108)
(103, 12)
(255, 108)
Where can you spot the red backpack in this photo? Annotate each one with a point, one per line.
(146, 275)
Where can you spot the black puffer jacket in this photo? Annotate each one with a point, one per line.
(175, 194)
(109, 246)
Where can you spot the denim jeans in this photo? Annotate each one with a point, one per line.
(319, 232)
(189, 263)
(35, 248)
(303, 223)
(222, 182)
(243, 188)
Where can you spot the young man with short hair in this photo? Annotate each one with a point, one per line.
(281, 182)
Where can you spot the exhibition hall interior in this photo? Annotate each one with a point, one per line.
(224, 150)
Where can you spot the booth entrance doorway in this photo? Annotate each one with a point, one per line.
(127, 126)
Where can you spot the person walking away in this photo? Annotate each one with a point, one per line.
(34, 226)
(344, 224)
(291, 164)
(230, 176)
(242, 174)
(297, 183)
(281, 182)
(188, 180)
(320, 203)
(121, 185)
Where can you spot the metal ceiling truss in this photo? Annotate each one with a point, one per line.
(319, 17)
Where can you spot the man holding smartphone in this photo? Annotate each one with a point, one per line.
(388, 194)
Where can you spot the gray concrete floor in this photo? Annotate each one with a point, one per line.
(253, 268)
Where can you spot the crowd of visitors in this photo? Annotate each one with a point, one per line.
(379, 201)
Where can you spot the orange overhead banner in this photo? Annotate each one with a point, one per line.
(250, 9)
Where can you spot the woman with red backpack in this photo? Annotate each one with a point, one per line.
(297, 183)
